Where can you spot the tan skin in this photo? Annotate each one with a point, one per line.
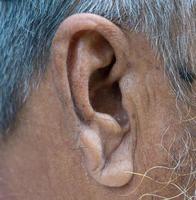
(85, 129)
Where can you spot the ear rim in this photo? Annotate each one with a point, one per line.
(95, 23)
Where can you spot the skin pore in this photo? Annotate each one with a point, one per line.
(103, 115)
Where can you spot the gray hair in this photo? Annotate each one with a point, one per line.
(28, 27)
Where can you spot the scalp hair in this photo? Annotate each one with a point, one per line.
(28, 27)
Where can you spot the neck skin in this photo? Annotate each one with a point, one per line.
(44, 148)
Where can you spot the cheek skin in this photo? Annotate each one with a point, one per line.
(152, 108)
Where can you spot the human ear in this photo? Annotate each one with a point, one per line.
(93, 52)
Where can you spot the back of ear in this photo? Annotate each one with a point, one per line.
(93, 53)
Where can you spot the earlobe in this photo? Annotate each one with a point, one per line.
(95, 64)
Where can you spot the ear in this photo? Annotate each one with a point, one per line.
(93, 53)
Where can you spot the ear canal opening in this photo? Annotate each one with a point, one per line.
(107, 98)
(100, 75)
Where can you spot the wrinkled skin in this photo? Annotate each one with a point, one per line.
(85, 129)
